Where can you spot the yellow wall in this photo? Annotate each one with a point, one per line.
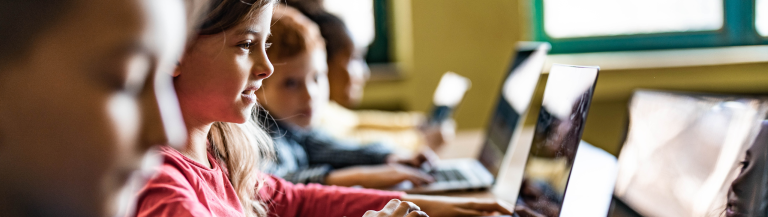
(472, 38)
(476, 39)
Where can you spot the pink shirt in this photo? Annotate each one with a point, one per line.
(184, 187)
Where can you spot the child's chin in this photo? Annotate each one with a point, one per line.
(240, 119)
(244, 116)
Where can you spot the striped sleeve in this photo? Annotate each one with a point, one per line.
(313, 174)
(321, 149)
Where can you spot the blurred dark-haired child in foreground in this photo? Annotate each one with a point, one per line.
(85, 92)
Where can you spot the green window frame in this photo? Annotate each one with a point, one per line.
(378, 50)
(738, 29)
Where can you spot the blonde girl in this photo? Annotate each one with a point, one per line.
(215, 173)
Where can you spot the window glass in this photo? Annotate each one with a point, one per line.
(761, 17)
(358, 15)
(585, 18)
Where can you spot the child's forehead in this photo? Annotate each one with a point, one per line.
(258, 20)
(305, 63)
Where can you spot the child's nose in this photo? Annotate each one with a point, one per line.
(262, 67)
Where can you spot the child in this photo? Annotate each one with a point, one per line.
(747, 195)
(347, 70)
(84, 93)
(215, 172)
(294, 96)
(347, 73)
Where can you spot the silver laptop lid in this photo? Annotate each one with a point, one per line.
(514, 99)
(556, 138)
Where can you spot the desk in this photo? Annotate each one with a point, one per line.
(466, 145)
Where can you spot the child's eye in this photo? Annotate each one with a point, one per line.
(291, 83)
(744, 165)
(245, 45)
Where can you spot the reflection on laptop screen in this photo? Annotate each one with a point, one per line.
(515, 96)
(556, 137)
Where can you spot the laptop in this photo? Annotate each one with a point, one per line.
(516, 93)
(703, 136)
(540, 170)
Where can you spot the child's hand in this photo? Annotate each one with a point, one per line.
(397, 208)
(458, 206)
(380, 176)
(426, 156)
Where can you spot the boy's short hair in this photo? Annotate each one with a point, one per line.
(307, 7)
(334, 31)
(292, 34)
(332, 28)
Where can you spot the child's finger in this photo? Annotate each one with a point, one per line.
(405, 207)
(418, 213)
(417, 177)
(391, 206)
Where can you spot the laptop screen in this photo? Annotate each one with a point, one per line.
(556, 138)
(516, 93)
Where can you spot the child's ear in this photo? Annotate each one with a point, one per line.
(187, 48)
(177, 70)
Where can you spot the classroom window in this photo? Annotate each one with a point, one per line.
(584, 18)
(357, 15)
(367, 21)
(761, 17)
(574, 26)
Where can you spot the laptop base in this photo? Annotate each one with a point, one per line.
(464, 174)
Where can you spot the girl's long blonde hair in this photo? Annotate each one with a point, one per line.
(243, 148)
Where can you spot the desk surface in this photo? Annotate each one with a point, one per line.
(466, 145)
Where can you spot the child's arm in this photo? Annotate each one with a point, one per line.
(322, 149)
(379, 176)
(313, 174)
(286, 199)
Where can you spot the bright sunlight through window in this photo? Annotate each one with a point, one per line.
(587, 18)
(358, 15)
(761, 17)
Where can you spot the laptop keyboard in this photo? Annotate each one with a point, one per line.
(448, 175)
